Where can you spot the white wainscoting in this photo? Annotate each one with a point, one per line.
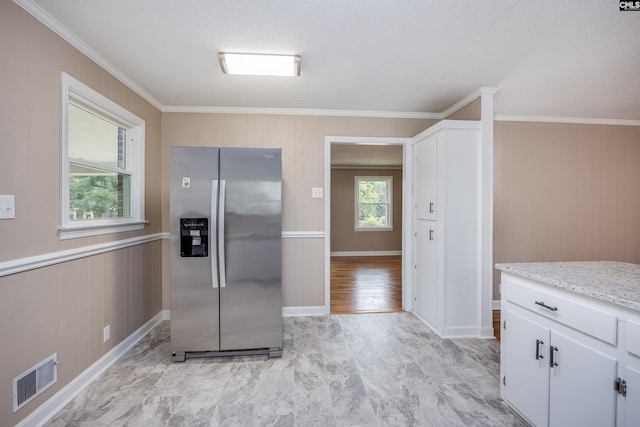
(53, 405)
(38, 261)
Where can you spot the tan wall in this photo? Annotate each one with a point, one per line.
(471, 111)
(344, 238)
(62, 308)
(566, 192)
(302, 139)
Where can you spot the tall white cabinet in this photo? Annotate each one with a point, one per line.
(447, 227)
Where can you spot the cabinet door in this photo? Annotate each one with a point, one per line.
(631, 402)
(581, 385)
(426, 304)
(425, 178)
(525, 369)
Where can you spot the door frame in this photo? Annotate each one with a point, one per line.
(407, 203)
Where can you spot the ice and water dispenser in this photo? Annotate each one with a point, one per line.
(194, 237)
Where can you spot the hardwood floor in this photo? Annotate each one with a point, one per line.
(366, 284)
(372, 285)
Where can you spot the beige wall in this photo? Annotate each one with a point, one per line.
(302, 139)
(566, 192)
(62, 308)
(471, 111)
(344, 238)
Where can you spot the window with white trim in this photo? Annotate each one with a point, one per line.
(102, 164)
(373, 203)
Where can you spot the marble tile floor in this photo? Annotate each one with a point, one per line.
(341, 370)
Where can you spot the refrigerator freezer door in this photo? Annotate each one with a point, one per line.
(251, 301)
(194, 292)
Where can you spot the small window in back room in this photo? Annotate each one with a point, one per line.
(373, 203)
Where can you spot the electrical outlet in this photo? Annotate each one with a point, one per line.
(106, 333)
(316, 193)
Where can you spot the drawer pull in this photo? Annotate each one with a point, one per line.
(552, 362)
(538, 354)
(542, 304)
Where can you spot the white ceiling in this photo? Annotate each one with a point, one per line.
(574, 59)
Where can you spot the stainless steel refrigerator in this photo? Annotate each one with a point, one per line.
(226, 251)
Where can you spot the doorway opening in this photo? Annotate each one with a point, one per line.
(366, 249)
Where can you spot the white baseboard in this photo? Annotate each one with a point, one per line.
(53, 405)
(367, 253)
(304, 311)
(454, 332)
(460, 331)
(487, 333)
(495, 305)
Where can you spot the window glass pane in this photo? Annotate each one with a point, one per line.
(95, 139)
(372, 191)
(373, 202)
(96, 194)
(372, 215)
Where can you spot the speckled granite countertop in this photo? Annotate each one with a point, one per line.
(615, 282)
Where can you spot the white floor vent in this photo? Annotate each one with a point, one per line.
(34, 381)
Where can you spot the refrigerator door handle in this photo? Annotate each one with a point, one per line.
(214, 255)
(221, 237)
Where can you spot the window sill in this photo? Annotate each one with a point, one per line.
(96, 230)
(374, 229)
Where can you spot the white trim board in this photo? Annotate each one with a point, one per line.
(54, 404)
(304, 311)
(38, 261)
(302, 112)
(568, 120)
(366, 253)
(303, 234)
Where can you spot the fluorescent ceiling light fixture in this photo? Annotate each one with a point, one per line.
(249, 64)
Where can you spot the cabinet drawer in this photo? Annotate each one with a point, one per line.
(571, 311)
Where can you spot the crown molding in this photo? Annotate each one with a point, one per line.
(50, 22)
(302, 112)
(468, 99)
(568, 120)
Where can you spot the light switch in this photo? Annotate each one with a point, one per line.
(316, 193)
(7, 207)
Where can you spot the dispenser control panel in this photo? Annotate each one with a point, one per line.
(194, 237)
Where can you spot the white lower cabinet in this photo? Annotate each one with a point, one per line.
(557, 368)
(580, 383)
(525, 372)
(629, 373)
(553, 379)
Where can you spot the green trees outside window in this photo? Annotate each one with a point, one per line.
(373, 202)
